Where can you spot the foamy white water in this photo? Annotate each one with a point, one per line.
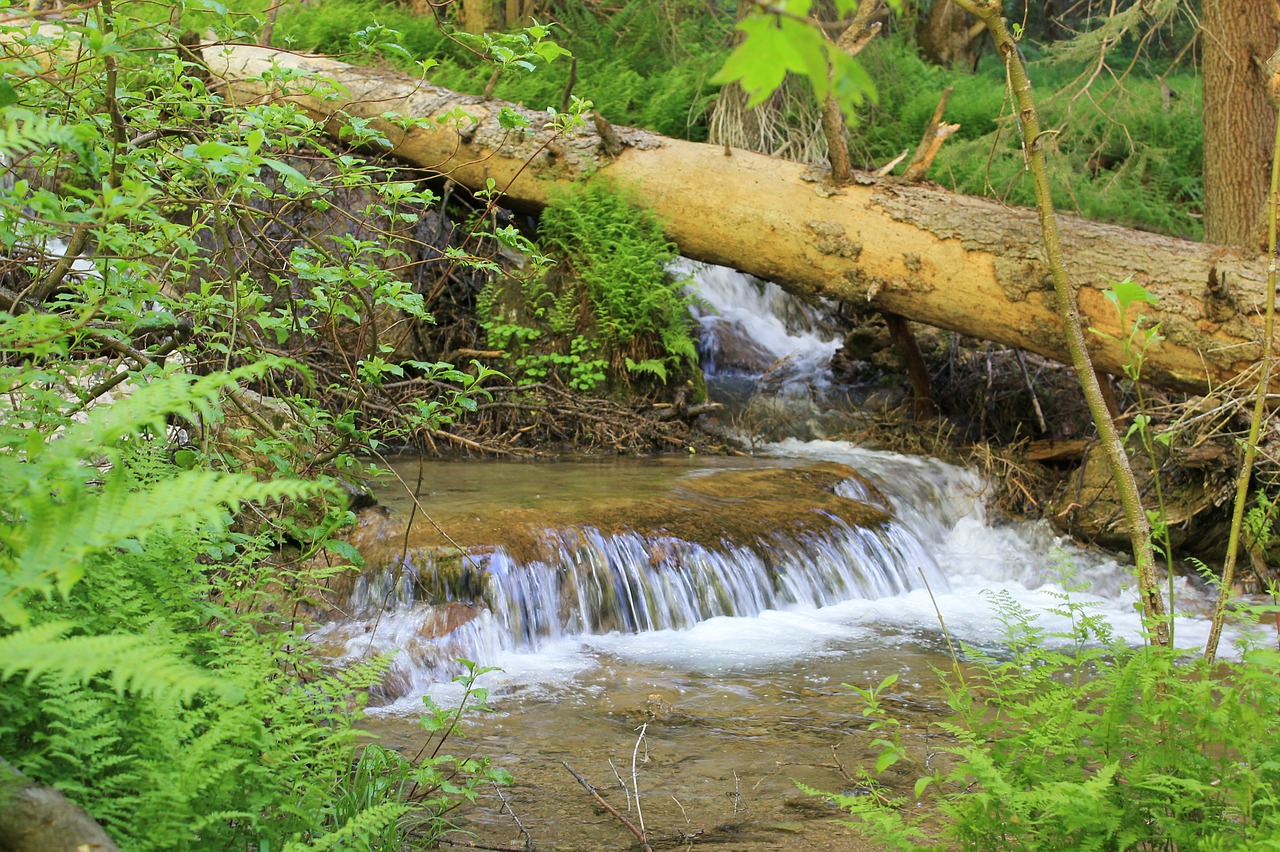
(941, 527)
(750, 325)
(604, 605)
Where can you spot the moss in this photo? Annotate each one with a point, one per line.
(726, 508)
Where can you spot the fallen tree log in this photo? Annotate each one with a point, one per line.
(951, 261)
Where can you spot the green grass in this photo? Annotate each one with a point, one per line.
(1116, 154)
(639, 67)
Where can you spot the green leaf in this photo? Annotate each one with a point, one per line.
(550, 51)
(346, 550)
(1125, 293)
(509, 119)
(887, 758)
(214, 150)
(8, 94)
(772, 47)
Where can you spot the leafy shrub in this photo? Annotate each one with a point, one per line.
(1092, 745)
(609, 311)
(174, 424)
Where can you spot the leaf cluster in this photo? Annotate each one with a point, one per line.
(609, 310)
(1073, 740)
(198, 299)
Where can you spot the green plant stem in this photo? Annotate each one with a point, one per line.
(1139, 528)
(1255, 423)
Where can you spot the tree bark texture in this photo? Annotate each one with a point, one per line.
(40, 819)
(1239, 125)
(947, 36)
(951, 261)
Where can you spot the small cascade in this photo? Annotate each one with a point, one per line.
(586, 582)
(751, 327)
(694, 558)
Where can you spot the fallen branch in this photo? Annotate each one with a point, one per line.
(586, 785)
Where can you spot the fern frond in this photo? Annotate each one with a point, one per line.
(369, 824)
(60, 531)
(23, 131)
(133, 664)
(146, 408)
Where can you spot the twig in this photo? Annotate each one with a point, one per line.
(635, 776)
(1031, 388)
(470, 844)
(586, 785)
(892, 164)
(506, 804)
(955, 661)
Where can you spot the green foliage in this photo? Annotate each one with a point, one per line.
(1124, 152)
(781, 39)
(1074, 740)
(609, 311)
(179, 403)
(641, 64)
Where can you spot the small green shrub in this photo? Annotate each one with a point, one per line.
(610, 312)
(171, 436)
(1088, 743)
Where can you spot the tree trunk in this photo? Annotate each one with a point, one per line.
(947, 36)
(1239, 125)
(947, 260)
(481, 16)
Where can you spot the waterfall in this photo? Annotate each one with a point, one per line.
(750, 326)
(588, 591)
(595, 583)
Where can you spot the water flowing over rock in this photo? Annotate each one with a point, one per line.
(727, 543)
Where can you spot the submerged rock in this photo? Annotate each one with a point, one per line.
(715, 510)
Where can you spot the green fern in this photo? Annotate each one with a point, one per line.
(23, 131)
(132, 663)
(369, 824)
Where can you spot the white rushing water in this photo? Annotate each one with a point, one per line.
(656, 601)
(751, 326)
(719, 613)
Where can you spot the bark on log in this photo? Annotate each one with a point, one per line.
(951, 261)
(40, 819)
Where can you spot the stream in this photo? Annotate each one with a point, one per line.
(685, 626)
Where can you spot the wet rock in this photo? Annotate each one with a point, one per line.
(443, 619)
(658, 708)
(731, 507)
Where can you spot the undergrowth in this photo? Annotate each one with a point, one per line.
(1074, 740)
(197, 297)
(641, 64)
(1122, 152)
(609, 313)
